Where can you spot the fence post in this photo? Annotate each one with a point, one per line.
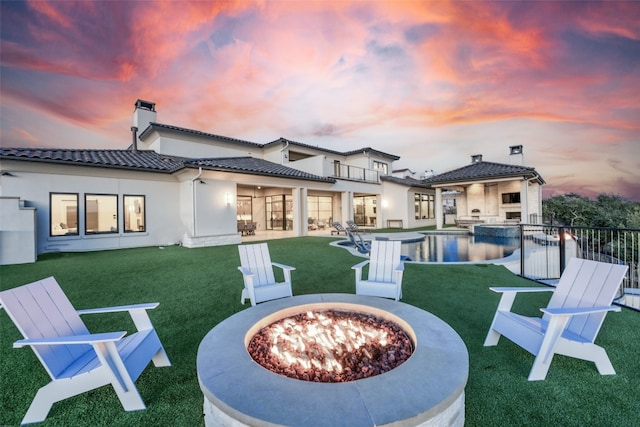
(561, 248)
(522, 250)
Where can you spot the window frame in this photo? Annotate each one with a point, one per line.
(86, 213)
(143, 212)
(511, 198)
(77, 215)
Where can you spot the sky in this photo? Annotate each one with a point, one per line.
(433, 82)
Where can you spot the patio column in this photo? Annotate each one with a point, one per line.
(439, 210)
(347, 206)
(300, 211)
(524, 201)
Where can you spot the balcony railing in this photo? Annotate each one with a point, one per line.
(545, 250)
(355, 173)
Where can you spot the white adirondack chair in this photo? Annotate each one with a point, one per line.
(77, 360)
(571, 321)
(257, 272)
(385, 271)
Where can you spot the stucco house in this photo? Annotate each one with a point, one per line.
(172, 185)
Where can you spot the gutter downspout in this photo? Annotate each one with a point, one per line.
(193, 198)
(284, 155)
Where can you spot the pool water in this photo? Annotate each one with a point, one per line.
(460, 248)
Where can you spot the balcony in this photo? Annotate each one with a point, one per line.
(355, 173)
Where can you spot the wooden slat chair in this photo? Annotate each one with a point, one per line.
(77, 360)
(571, 321)
(257, 272)
(385, 271)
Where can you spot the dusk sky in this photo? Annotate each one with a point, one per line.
(433, 82)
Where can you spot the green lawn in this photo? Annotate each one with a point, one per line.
(197, 288)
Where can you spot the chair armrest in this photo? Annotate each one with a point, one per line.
(578, 310)
(282, 266)
(400, 267)
(360, 265)
(509, 295)
(73, 339)
(245, 271)
(138, 313)
(143, 306)
(537, 289)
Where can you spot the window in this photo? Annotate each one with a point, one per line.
(513, 215)
(320, 209)
(424, 206)
(134, 214)
(101, 213)
(381, 166)
(364, 211)
(63, 214)
(510, 198)
(279, 210)
(244, 209)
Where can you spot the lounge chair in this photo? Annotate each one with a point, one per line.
(571, 321)
(385, 271)
(77, 360)
(257, 272)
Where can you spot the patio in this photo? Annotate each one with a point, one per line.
(199, 288)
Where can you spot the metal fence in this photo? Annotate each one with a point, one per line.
(545, 250)
(355, 173)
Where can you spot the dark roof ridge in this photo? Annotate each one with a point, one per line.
(149, 129)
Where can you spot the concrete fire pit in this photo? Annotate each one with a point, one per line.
(426, 390)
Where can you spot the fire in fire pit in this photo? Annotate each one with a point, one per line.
(330, 346)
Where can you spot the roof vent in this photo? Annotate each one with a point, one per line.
(476, 158)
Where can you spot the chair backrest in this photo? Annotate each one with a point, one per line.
(383, 259)
(256, 259)
(586, 283)
(42, 310)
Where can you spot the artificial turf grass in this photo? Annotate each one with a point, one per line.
(198, 288)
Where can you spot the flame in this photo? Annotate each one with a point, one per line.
(317, 341)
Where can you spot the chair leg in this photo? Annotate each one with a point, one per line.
(57, 391)
(590, 352)
(161, 359)
(548, 346)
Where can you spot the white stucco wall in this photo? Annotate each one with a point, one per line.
(33, 183)
(17, 232)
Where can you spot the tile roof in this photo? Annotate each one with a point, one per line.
(159, 126)
(148, 160)
(339, 153)
(409, 182)
(255, 166)
(484, 170)
(123, 159)
(155, 126)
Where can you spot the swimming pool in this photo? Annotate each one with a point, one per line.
(460, 248)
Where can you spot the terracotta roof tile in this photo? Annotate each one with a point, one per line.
(147, 160)
(483, 170)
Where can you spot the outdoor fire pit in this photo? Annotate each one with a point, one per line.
(401, 366)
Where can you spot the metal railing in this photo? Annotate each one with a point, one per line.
(355, 173)
(546, 249)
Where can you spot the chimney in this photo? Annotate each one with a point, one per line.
(144, 113)
(476, 158)
(515, 155)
